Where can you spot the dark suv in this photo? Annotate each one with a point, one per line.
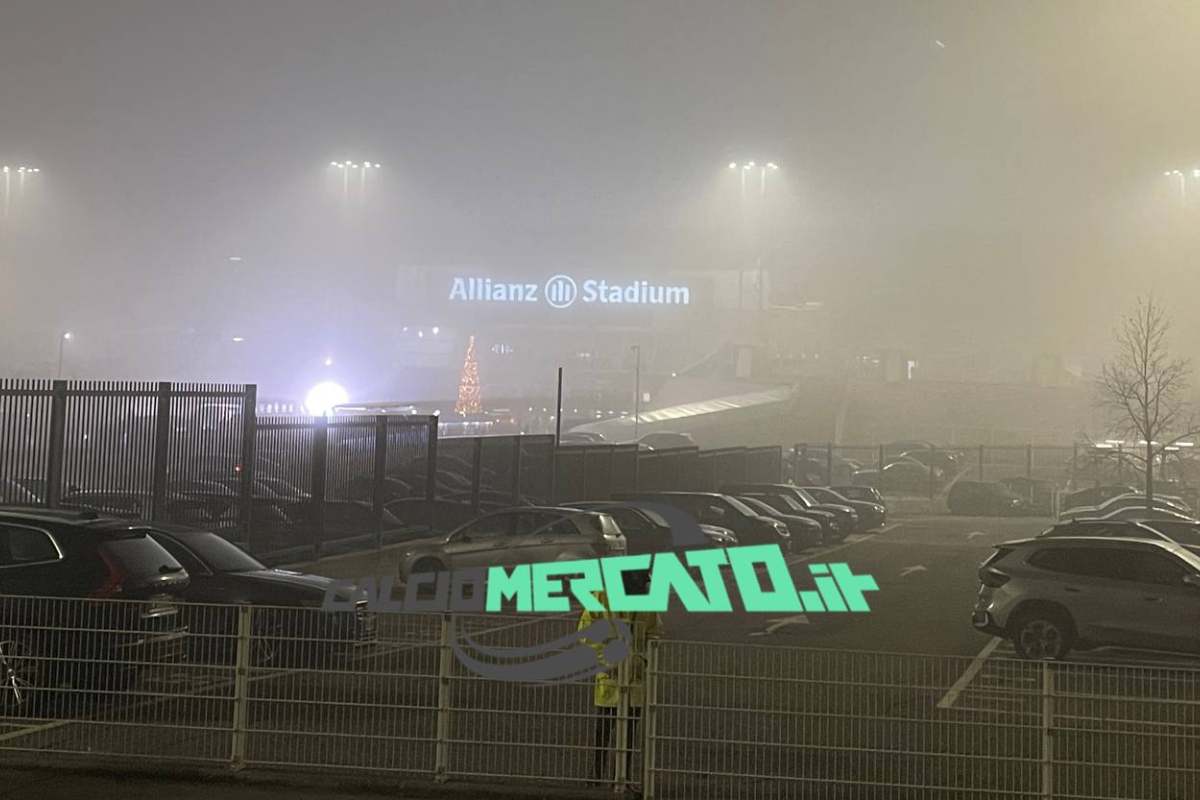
(62, 577)
(711, 508)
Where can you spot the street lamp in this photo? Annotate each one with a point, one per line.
(347, 167)
(62, 341)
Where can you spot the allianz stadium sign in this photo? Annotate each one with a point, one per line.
(563, 291)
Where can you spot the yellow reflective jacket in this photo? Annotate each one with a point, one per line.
(645, 626)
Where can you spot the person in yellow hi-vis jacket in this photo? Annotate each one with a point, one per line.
(643, 626)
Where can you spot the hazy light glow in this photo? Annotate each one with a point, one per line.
(238, 339)
(321, 398)
(67, 336)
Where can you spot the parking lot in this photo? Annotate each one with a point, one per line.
(829, 705)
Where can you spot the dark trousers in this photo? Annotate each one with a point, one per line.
(606, 722)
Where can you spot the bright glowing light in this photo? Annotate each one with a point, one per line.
(1167, 173)
(1196, 173)
(334, 164)
(420, 334)
(749, 163)
(238, 339)
(733, 165)
(328, 361)
(321, 399)
(67, 336)
(436, 330)
(772, 165)
(235, 258)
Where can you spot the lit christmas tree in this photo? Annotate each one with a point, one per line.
(468, 384)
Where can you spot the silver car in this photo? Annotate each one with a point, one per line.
(1049, 595)
(516, 536)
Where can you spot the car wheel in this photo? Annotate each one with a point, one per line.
(19, 677)
(1042, 633)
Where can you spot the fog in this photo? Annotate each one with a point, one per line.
(980, 181)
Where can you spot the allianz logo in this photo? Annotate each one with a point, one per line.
(563, 291)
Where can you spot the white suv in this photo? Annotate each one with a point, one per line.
(1049, 595)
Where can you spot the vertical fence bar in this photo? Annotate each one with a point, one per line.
(650, 719)
(56, 454)
(1047, 782)
(795, 463)
(981, 463)
(516, 471)
(379, 474)
(241, 684)
(880, 467)
(1074, 465)
(246, 463)
(431, 456)
(320, 455)
(932, 461)
(162, 439)
(441, 764)
(622, 746)
(1029, 460)
(476, 473)
(829, 464)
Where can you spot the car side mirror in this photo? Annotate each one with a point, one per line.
(1192, 579)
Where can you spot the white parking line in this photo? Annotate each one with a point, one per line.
(850, 541)
(969, 674)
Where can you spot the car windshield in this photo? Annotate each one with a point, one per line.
(741, 507)
(1183, 532)
(808, 498)
(758, 506)
(218, 554)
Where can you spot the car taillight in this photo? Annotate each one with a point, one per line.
(992, 578)
(113, 582)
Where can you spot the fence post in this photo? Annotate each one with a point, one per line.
(56, 456)
(246, 464)
(932, 453)
(476, 473)
(622, 745)
(795, 463)
(981, 463)
(829, 464)
(881, 468)
(1074, 464)
(320, 455)
(380, 474)
(441, 763)
(241, 683)
(650, 719)
(162, 440)
(431, 457)
(1047, 729)
(1029, 461)
(516, 471)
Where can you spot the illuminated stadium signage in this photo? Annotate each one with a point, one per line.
(563, 291)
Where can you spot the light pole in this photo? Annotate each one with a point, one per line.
(62, 341)
(637, 388)
(763, 170)
(1182, 176)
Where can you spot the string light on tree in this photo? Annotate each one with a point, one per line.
(468, 384)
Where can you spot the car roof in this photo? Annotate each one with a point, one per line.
(1082, 541)
(84, 519)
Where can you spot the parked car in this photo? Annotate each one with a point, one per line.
(847, 517)
(1095, 495)
(646, 531)
(222, 573)
(581, 438)
(47, 643)
(1132, 500)
(804, 532)
(22, 491)
(711, 508)
(831, 528)
(899, 476)
(516, 536)
(666, 440)
(943, 464)
(984, 499)
(1186, 534)
(1138, 513)
(867, 494)
(871, 514)
(1052, 595)
(1038, 495)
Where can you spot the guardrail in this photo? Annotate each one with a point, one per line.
(296, 687)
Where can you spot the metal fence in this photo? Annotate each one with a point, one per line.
(287, 687)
